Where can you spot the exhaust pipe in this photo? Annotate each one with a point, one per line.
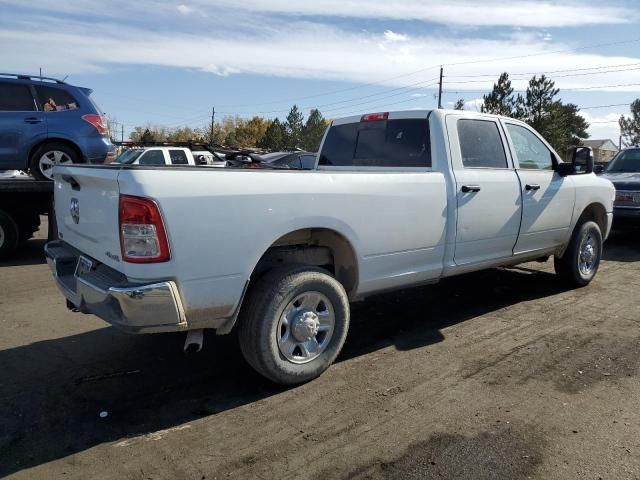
(193, 342)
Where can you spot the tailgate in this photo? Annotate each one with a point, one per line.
(86, 207)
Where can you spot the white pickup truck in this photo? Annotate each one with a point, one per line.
(167, 156)
(396, 200)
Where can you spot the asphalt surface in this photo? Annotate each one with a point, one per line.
(499, 374)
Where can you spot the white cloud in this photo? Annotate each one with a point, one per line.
(526, 13)
(514, 13)
(302, 50)
(184, 9)
(395, 37)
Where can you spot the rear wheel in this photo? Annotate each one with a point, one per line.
(9, 235)
(294, 323)
(47, 156)
(580, 261)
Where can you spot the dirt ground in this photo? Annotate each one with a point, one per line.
(503, 374)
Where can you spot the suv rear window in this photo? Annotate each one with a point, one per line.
(15, 98)
(390, 143)
(55, 99)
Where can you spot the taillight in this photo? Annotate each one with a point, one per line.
(374, 117)
(143, 238)
(98, 121)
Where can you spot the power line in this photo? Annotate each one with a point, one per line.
(432, 67)
(544, 73)
(586, 47)
(493, 75)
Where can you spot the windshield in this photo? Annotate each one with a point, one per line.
(275, 156)
(625, 161)
(128, 156)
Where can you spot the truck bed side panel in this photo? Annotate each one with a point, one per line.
(221, 222)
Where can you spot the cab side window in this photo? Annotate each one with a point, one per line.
(55, 99)
(152, 157)
(532, 154)
(480, 144)
(16, 98)
(178, 157)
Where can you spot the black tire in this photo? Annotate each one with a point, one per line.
(568, 267)
(260, 322)
(9, 235)
(34, 162)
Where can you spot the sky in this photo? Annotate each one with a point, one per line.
(169, 63)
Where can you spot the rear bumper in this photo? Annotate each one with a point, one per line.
(98, 150)
(135, 308)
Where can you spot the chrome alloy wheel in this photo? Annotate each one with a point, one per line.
(51, 158)
(305, 327)
(587, 255)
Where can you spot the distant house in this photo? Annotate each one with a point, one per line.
(603, 150)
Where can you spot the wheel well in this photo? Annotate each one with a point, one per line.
(597, 213)
(313, 246)
(68, 143)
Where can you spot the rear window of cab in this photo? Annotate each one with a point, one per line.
(395, 143)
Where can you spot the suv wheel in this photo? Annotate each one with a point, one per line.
(47, 156)
(294, 323)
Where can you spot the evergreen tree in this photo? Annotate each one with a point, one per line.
(313, 131)
(630, 127)
(564, 127)
(274, 136)
(501, 100)
(539, 103)
(560, 124)
(294, 128)
(147, 136)
(459, 105)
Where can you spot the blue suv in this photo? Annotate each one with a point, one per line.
(44, 121)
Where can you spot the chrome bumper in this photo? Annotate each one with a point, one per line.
(135, 308)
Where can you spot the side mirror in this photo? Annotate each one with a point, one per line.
(598, 169)
(582, 159)
(565, 168)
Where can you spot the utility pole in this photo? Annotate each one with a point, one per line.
(122, 132)
(440, 89)
(213, 117)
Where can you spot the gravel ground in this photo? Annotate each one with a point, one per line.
(498, 374)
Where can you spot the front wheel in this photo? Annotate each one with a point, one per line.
(580, 261)
(294, 324)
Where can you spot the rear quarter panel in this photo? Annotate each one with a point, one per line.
(221, 222)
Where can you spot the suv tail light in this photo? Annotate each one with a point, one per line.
(98, 121)
(374, 117)
(143, 238)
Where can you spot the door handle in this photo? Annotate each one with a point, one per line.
(470, 188)
(532, 186)
(32, 120)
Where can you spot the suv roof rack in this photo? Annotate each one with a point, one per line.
(22, 76)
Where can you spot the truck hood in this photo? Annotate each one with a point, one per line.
(623, 180)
